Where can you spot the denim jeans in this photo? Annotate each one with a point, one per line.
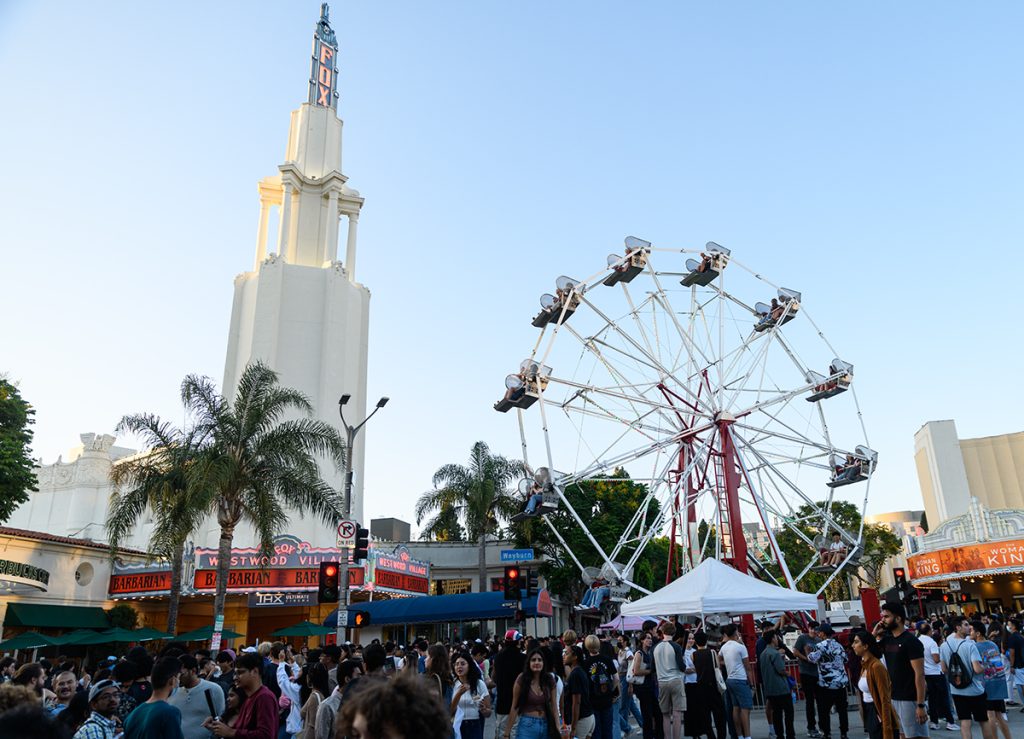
(604, 721)
(627, 704)
(532, 727)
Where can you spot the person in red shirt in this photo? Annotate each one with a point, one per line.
(258, 718)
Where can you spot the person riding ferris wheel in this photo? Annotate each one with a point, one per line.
(662, 366)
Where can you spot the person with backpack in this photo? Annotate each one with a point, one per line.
(670, 665)
(904, 659)
(935, 681)
(965, 671)
(992, 660)
(604, 687)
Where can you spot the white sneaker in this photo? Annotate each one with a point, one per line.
(952, 727)
(933, 725)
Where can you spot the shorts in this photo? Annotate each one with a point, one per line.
(971, 707)
(671, 696)
(999, 706)
(741, 694)
(907, 713)
(585, 727)
(1018, 676)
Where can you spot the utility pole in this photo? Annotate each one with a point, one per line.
(350, 438)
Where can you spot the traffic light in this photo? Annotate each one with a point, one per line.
(945, 597)
(532, 583)
(900, 576)
(360, 619)
(360, 551)
(512, 582)
(327, 584)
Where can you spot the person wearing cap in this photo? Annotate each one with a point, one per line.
(102, 722)
(508, 665)
(808, 676)
(830, 657)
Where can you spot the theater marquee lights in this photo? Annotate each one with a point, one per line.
(323, 76)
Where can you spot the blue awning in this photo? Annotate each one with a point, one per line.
(427, 609)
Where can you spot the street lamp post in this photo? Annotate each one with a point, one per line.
(350, 437)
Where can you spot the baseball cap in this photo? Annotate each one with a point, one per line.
(226, 655)
(513, 635)
(99, 687)
(826, 629)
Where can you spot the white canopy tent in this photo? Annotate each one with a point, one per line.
(714, 587)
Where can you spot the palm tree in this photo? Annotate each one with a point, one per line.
(256, 462)
(157, 480)
(480, 493)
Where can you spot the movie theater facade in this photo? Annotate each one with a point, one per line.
(265, 593)
(978, 558)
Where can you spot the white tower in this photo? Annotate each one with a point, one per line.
(300, 310)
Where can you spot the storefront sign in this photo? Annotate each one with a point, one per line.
(973, 559)
(24, 574)
(264, 600)
(272, 579)
(288, 552)
(398, 571)
(143, 582)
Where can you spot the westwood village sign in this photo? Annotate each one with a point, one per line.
(292, 567)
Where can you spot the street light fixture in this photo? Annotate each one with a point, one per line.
(350, 437)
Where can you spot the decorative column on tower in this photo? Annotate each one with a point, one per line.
(300, 310)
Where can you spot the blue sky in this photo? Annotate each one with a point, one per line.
(868, 155)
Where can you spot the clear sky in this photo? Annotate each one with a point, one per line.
(868, 154)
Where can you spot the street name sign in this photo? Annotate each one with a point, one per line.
(516, 555)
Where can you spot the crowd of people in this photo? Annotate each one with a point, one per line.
(673, 678)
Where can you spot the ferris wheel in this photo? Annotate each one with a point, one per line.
(714, 388)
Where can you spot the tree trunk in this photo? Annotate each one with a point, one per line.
(484, 585)
(177, 562)
(227, 536)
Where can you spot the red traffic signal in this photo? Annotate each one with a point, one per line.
(327, 586)
(512, 584)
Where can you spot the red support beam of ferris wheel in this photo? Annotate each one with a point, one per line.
(738, 542)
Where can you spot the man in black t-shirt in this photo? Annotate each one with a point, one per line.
(904, 659)
(577, 711)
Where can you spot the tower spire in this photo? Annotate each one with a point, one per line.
(323, 76)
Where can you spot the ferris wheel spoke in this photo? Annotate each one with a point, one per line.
(789, 483)
(666, 306)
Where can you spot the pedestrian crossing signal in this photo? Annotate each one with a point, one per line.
(361, 619)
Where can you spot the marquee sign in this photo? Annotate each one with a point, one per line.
(397, 571)
(966, 561)
(323, 77)
(284, 580)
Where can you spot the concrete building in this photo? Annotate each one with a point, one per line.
(952, 470)
(390, 529)
(299, 309)
(51, 583)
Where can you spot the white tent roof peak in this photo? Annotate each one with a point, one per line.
(715, 587)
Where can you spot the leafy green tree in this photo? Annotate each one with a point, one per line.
(158, 482)
(17, 470)
(482, 494)
(444, 526)
(123, 616)
(924, 521)
(878, 541)
(257, 462)
(604, 505)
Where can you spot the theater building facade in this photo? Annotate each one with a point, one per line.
(977, 559)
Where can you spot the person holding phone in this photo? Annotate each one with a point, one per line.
(197, 699)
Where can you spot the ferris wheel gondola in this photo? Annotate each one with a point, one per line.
(665, 377)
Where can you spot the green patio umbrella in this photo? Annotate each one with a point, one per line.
(28, 640)
(116, 635)
(148, 634)
(304, 628)
(74, 637)
(204, 633)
